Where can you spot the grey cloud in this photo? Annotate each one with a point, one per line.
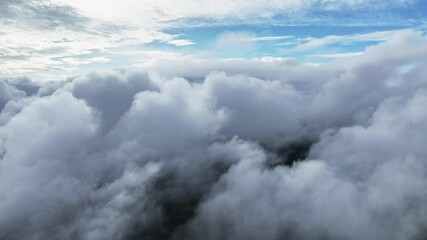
(365, 184)
(52, 174)
(8, 93)
(240, 149)
(14, 89)
(111, 93)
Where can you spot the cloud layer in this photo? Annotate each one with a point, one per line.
(233, 149)
(57, 38)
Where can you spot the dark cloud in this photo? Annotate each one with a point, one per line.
(250, 150)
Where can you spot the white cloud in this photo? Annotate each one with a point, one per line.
(35, 35)
(77, 61)
(142, 11)
(336, 55)
(248, 37)
(316, 43)
(236, 41)
(243, 40)
(180, 42)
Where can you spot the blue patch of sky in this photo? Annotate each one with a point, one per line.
(205, 39)
(314, 23)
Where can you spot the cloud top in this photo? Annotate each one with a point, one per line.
(221, 149)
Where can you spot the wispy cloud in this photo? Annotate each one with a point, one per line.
(249, 37)
(180, 42)
(244, 41)
(44, 31)
(336, 55)
(311, 43)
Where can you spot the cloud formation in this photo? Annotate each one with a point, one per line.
(233, 149)
(57, 38)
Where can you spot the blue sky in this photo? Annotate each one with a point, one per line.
(53, 39)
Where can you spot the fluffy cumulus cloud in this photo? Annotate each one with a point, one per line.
(221, 149)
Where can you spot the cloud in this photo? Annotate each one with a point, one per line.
(37, 37)
(40, 37)
(238, 41)
(181, 42)
(248, 37)
(316, 43)
(8, 93)
(40, 14)
(221, 149)
(336, 55)
(217, 10)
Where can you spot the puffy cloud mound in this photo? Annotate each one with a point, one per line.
(209, 149)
